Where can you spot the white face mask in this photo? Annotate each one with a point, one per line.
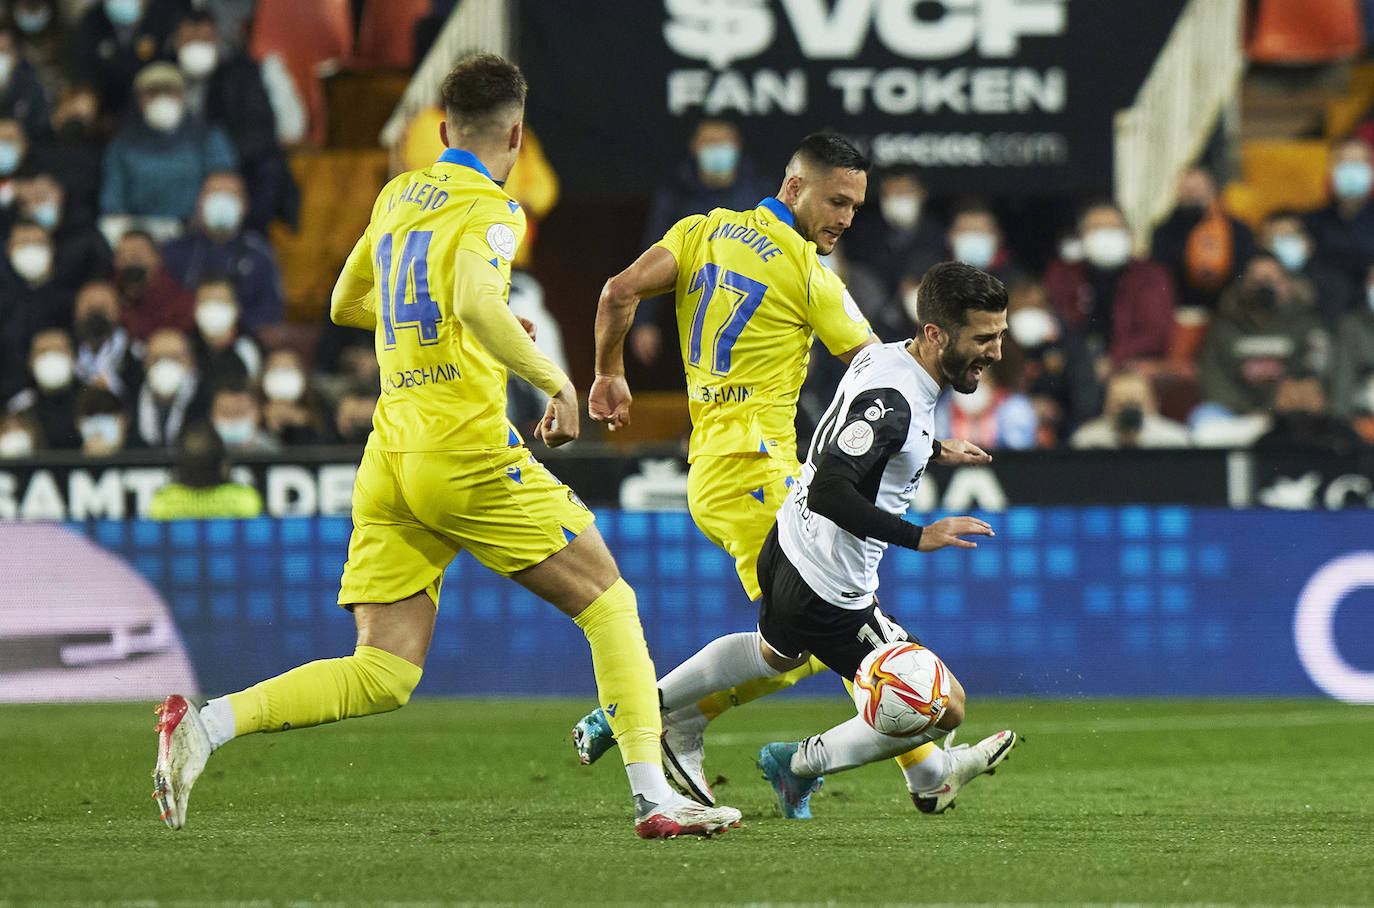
(234, 431)
(198, 58)
(1071, 249)
(1291, 250)
(1031, 327)
(1107, 248)
(975, 247)
(901, 211)
(974, 404)
(222, 211)
(166, 377)
(216, 317)
(283, 383)
(52, 370)
(163, 113)
(101, 430)
(31, 260)
(6, 68)
(16, 443)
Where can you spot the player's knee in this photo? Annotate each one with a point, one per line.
(390, 680)
(953, 715)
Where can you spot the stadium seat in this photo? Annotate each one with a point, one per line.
(657, 416)
(1305, 31)
(1278, 173)
(310, 36)
(387, 34)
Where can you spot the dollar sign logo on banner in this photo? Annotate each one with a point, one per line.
(718, 31)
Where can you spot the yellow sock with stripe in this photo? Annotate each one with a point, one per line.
(717, 703)
(369, 681)
(625, 681)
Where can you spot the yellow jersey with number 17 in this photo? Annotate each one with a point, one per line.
(751, 293)
(441, 391)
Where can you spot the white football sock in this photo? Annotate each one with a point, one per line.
(647, 781)
(218, 717)
(928, 774)
(852, 743)
(719, 665)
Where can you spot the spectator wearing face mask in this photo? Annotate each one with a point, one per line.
(222, 346)
(1343, 232)
(1048, 361)
(1352, 364)
(293, 410)
(51, 396)
(1301, 421)
(20, 437)
(1261, 333)
(151, 297)
(173, 393)
(237, 417)
(1130, 419)
(218, 244)
(902, 236)
(45, 42)
(1123, 306)
(201, 488)
(1203, 247)
(1284, 234)
(28, 279)
(975, 238)
(14, 149)
(76, 150)
(102, 421)
(105, 356)
(225, 86)
(114, 40)
(155, 166)
(991, 417)
(353, 415)
(21, 94)
(80, 253)
(717, 175)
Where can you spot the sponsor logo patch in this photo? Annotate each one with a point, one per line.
(501, 239)
(856, 438)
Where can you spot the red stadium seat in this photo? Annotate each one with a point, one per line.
(1305, 31)
(306, 34)
(387, 35)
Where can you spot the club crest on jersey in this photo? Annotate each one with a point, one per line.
(856, 438)
(501, 239)
(877, 411)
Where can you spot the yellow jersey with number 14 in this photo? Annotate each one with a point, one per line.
(750, 295)
(441, 391)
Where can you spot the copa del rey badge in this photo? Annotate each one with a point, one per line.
(856, 438)
(501, 239)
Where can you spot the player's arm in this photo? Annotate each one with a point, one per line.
(837, 320)
(652, 273)
(351, 302)
(872, 431)
(848, 356)
(480, 305)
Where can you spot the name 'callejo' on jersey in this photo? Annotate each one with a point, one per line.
(749, 237)
(426, 195)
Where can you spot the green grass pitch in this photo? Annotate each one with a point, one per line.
(481, 802)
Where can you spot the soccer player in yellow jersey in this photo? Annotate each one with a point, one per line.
(443, 470)
(750, 294)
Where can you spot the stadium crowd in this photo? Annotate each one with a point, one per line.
(142, 160)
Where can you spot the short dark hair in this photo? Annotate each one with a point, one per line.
(950, 289)
(201, 457)
(830, 149)
(91, 401)
(480, 87)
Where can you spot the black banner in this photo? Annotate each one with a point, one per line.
(988, 96)
(320, 481)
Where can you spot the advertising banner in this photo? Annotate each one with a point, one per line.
(987, 96)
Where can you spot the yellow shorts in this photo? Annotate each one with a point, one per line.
(413, 512)
(734, 499)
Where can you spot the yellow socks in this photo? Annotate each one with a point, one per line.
(625, 681)
(369, 681)
(719, 702)
(915, 755)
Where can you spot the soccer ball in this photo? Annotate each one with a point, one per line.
(901, 689)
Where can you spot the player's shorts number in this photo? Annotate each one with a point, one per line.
(748, 296)
(406, 303)
(881, 630)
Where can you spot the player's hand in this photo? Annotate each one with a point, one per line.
(528, 326)
(559, 425)
(955, 452)
(609, 401)
(947, 532)
(646, 341)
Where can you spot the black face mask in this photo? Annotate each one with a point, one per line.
(133, 276)
(1264, 298)
(74, 130)
(94, 328)
(1129, 419)
(1191, 212)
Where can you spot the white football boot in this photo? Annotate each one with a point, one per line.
(183, 747)
(966, 763)
(684, 752)
(679, 816)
